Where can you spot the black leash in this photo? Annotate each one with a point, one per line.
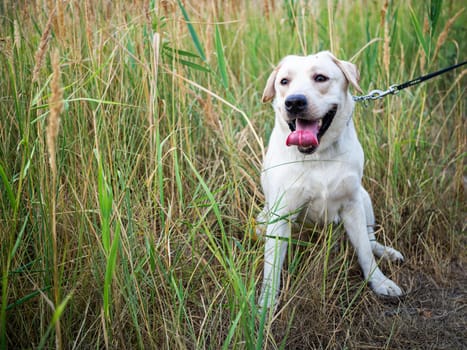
(393, 89)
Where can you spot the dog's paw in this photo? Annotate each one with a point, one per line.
(393, 254)
(387, 253)
(386, 287)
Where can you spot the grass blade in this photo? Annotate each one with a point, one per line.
(56, 316)
(27, 298)
(194, 66)
(210, 196)
(231, 333)
(105, 205)
(434, 13)
(110, 270)
(221, 58)
(18, 239)
(7, 185)
(192, 31)
(419, 32)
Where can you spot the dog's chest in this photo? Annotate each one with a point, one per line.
(322, 188)
(322, 194)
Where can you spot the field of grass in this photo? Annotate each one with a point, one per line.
(131, 139)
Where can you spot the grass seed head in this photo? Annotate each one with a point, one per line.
(17, 34)
(444, 34)
(56, 106)
(42, 49)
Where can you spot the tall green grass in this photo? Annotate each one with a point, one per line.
(158, 163)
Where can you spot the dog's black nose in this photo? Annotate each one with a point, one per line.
(295, 103)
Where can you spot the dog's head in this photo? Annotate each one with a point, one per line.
(311, 96)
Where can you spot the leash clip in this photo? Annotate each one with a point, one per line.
(377, 94)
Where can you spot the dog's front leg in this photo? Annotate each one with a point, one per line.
(354, 219)
(380, 250)
(275, 248)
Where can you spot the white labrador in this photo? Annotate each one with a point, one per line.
(314, 165)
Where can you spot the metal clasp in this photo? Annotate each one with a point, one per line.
(376, 94)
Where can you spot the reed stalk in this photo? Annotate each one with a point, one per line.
(53, 126)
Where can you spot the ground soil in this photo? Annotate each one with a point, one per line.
(432, 315)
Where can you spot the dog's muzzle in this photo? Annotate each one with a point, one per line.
(306, 133)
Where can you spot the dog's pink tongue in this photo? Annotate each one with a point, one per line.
(306, 134)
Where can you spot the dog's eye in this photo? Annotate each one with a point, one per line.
(320, 78)
(284, 81)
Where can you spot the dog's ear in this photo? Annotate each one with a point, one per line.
(269, 91)
(350, 71)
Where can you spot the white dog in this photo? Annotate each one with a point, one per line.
(314, 165)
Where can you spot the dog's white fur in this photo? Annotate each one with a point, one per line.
(322, 186)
